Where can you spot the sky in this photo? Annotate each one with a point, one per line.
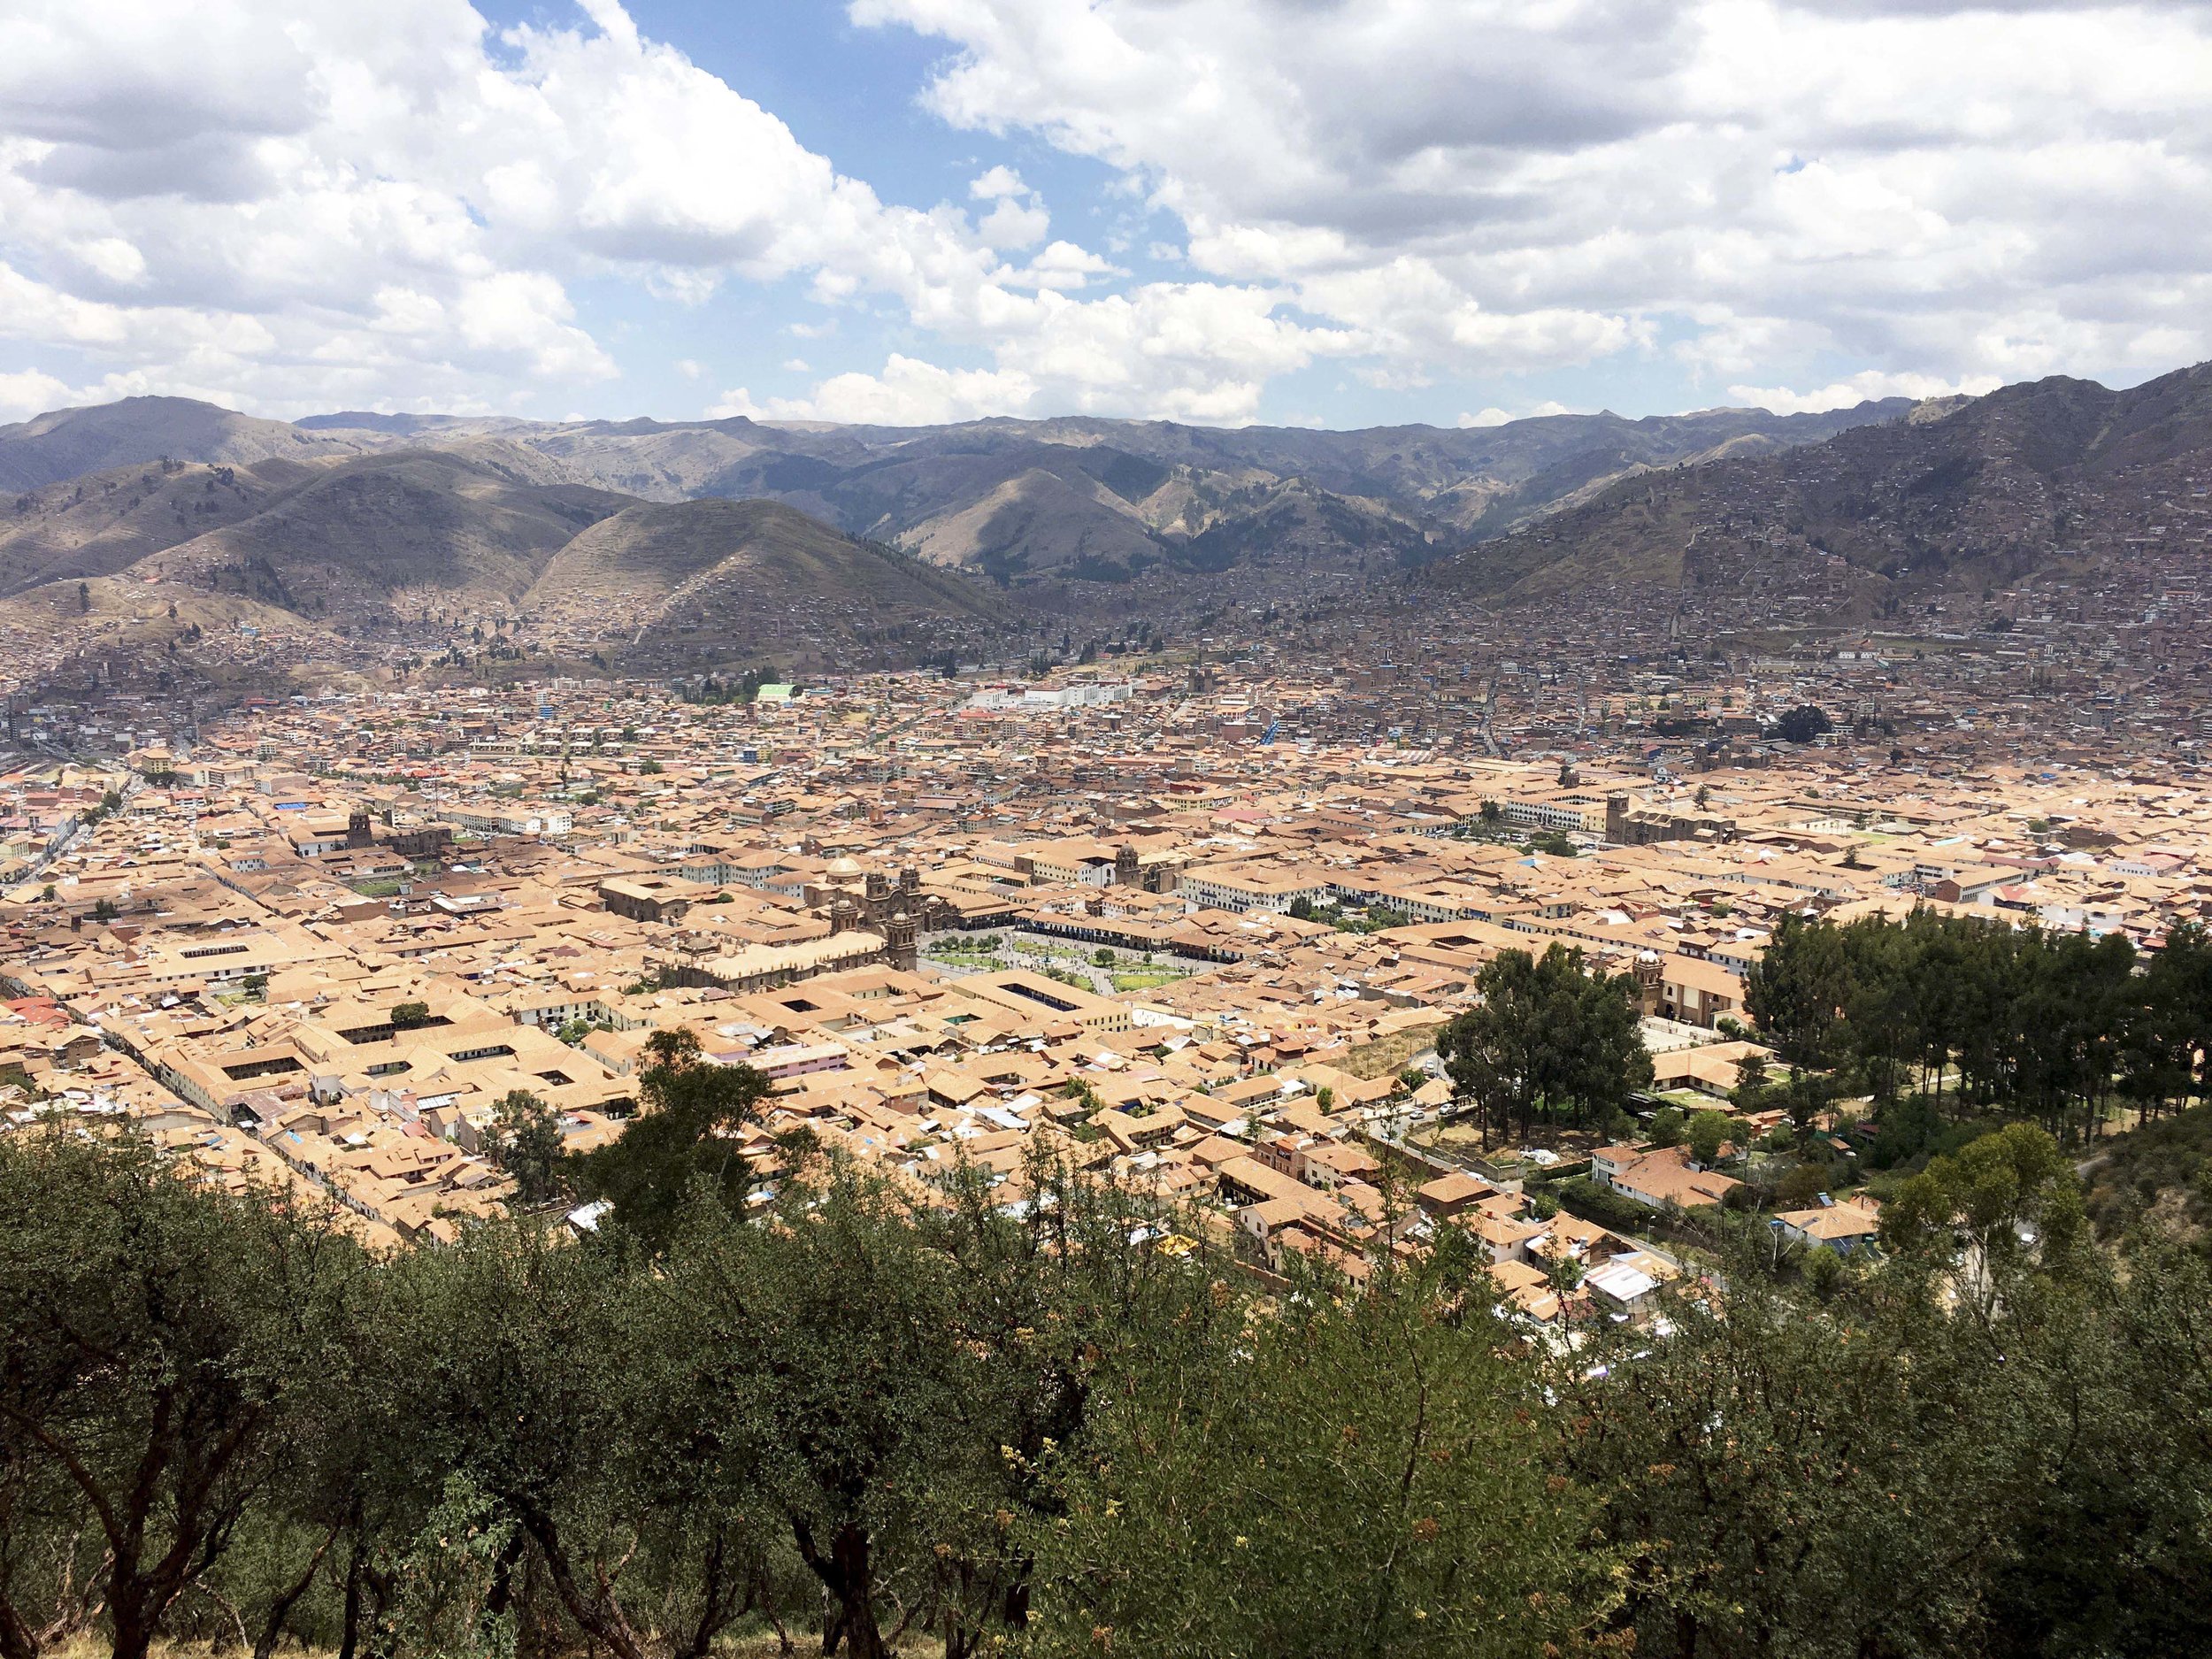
(1313, 213)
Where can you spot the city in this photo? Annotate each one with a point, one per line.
(1080, 829)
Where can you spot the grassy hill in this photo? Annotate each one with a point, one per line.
(2162, 1172)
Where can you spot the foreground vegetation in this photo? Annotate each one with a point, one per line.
(843, 1412)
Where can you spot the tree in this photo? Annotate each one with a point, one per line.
(1359, 1475)
(2165, 1048)
(410, 1016)
(159, 1344)
(1548, 1034)
(1668, 1127)
(1707, 1132)
(560, 1389)
(104, 909)
(1995, 1199)
(1769, 1475)
(1798, 988)
(1801, 725)
(84, 597)
(1750, 1092)
(682, 1140)
(528, 1143)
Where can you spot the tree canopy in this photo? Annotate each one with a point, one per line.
(1043, 1413)
(1549, 1038)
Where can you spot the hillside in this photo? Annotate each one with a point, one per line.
(1965, 496)
(2161, 1170)
(382, 536)
(704, 583)
(104, 521)
(67, 443)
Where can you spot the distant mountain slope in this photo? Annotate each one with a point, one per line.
(102, 522)
(411, 530)
(463, 541)
(1021, 501)
(2049, 474)
(1039, 519)
(1105, 500)
(67, 443)
(687, 583)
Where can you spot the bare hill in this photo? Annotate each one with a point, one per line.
(104, 521)
(1105, 500)
(413, 531)
(702, 583)
(1036, 521)
(1969, 495)
(65, 443)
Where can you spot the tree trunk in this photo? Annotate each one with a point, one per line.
(133, 1630)
(863, 1638)
(16, 1639)
(726, 1593)
(599, 1616)
(502, 1594)
(272, 1626)
(846, 1574)
(349, 1641)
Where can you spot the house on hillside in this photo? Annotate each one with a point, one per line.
(1662, 1179)
(1843, 1226)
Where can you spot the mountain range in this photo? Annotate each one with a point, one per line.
(1075, 498)
(701, 544)
(1963, 495)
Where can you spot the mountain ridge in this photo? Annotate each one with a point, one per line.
(2032, 478)
(1182, 496)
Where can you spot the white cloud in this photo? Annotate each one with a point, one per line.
(1493, 416)
(1480, 185)
(291, 207)
(997, 182)
(690, 368)
(303, 206)
(30, 393)
(1870, 385)
(908, 392)
(1014, 224)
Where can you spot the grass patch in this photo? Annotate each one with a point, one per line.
(1386, 1056)
(1147, 979)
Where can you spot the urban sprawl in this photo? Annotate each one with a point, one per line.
(1194, 922)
